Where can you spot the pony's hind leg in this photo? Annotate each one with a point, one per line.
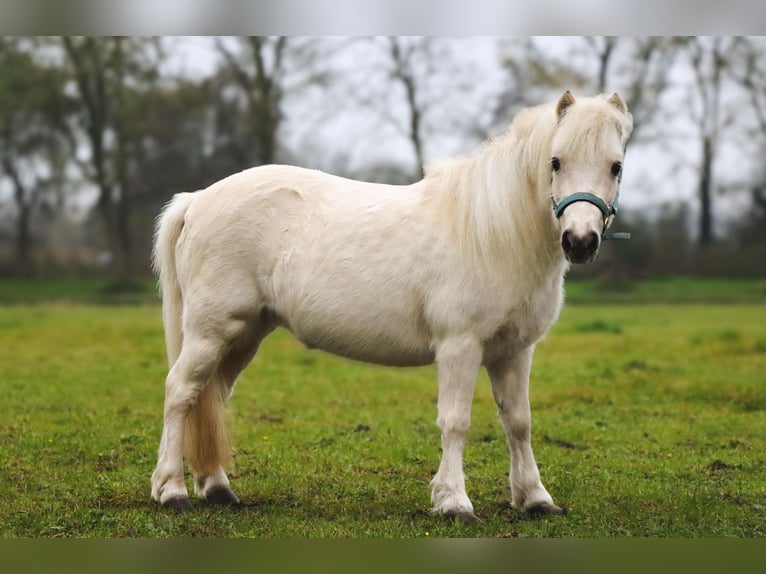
(188, 377)
(207, 447)
(510, 388)
(206, 444)
(195, 391)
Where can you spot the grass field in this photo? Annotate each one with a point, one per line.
(648, 420)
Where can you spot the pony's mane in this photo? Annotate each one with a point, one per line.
(492, 197)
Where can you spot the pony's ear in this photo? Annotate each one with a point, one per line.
(616, 100)
(564, 102)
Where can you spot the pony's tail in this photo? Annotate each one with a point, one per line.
(206, 445)
(206, 442)
(166, 234)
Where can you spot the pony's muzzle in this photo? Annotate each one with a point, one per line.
(580, 248)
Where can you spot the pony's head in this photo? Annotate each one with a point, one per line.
(586, 167)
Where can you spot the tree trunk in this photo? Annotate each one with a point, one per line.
(23, 237)
(89, 62)
(120, 158)
(125, 269)
(265, 98)
(415, 122)
(23, 263)
(403, 73)
(705, 194)
(605, 57)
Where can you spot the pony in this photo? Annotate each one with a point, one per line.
(464, 268)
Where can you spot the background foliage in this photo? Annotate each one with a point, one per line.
(97, 133)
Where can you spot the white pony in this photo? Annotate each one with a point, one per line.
(464, 268)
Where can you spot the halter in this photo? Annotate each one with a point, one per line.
(609, 211)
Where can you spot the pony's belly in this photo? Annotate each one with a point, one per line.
(366, 309)
(388, 355)
(388, 343)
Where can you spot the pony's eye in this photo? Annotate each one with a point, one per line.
(555, 164)
(617, 169)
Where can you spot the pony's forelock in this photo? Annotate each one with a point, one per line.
(589, 123)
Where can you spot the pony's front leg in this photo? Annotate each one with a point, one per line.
(458, 361)
(510, 387)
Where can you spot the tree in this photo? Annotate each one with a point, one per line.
(639, 68)
(404, 54)
(707, 64)
(395, 90)
(534, 73)
(752, 77)
(107, 74)
(257, 71)
(603, 48)
(711, 62)
(33, 141)
(170, 150)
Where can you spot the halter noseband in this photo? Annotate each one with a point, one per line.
(609, 211)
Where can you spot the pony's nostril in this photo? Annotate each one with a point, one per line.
(566, 241)
(591, 241)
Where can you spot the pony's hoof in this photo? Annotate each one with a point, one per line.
(223, 497)
(463, 516)
(178, 503)
(545, 508)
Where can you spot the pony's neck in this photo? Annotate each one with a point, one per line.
(499, 202)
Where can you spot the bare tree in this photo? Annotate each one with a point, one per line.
(603, 48)
(404, 53)
(752, 77)
(532, 76)
(710, 60)
(33, 142)
(396, 90)
(647, 69)
(639, 68)
(257, 69)
(107, 72)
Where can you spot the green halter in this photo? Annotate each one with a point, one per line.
(609, 211)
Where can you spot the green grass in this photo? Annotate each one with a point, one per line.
(648, 421)
(92, 291)
(683, 290)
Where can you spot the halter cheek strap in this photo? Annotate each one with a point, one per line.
(607, 210)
